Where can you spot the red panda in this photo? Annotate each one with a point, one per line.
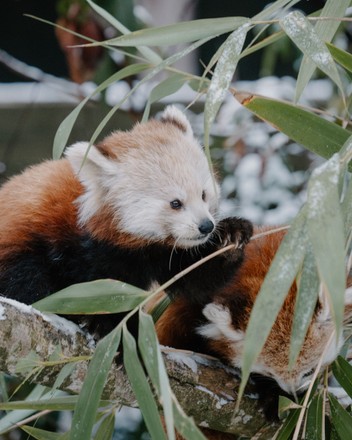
(139, 207)
(219, 327)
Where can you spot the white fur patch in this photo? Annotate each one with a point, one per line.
(348, 296)
(220, 324)
(90, 166)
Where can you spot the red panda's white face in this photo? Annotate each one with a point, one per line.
(321, 345)
(155, 180)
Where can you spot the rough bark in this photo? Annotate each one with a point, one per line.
(206, 389)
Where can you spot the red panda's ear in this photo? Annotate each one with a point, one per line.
(220, 324)
(175, 116)
(89, 163)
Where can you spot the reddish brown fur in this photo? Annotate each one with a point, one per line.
(47, 209)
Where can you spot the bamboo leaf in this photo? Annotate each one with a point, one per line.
(288, 426)
(10, 419)
(173, 413)
(343, 373)
(315, 420)
(106, 428)
(326, 233)
(89, 397)
(51, 403)
(272, 294)
(148, 53)
(223, 74)
(185, 425)
(150, 350)
(286, 404)
(182, 32)
(325, 30)
(306, 300)
(41, 434)
(3, 388)
(319, 135)
(165, 88)
(93, 297)
(303, 34)
(141, 387)
(274, 8)
(341, 419)
(66, 370)
(345, 157)
(346, 208)
(341, 56)
(65, 128)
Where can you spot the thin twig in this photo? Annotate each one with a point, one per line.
(30, 419)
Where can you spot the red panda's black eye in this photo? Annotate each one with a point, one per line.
(309, 373)
(204, 196)
(176, 204)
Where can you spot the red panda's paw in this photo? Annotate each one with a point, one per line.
(237, 231)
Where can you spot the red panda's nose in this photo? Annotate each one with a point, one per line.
(206, 226)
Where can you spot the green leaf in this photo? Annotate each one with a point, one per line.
(65, 128)
(185, 425)
(315, 419)
(319, 135)
(285, 405)
(160, 308)
(28, 363)
(341, 419)
(148, 53)
(89, 397)
(183, 32)
(288, 426)
(326, 233)
(10, 419)
(223, 74)
(51, 403)
(106, 428)
(346, 208)
(345, 155)
(165, 88)
(141, 387)
(151, 354)
(325, 30)
(41, 434)
(274, 8)
(93, 297)
(150, 350)
(306, 300)
(271, 296)
(343, 373)
(65, 371)
(303, 34)
(3, 388)
(341, 56)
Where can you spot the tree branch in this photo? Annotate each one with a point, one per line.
(205, 388)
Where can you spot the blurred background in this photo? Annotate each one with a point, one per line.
(42, 78)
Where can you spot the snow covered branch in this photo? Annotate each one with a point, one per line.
(204, 387)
